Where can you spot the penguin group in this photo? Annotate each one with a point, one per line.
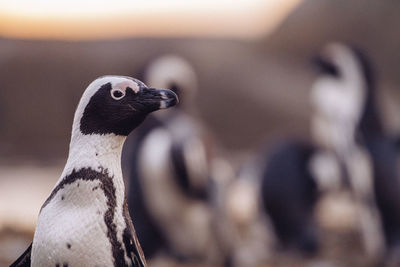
(138, 185)
(350, 150)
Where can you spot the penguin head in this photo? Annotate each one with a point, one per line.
(338, 95)
(175, 73)
(118, 104)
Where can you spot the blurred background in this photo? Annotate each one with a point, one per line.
(252, 61)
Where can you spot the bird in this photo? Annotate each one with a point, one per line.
(85, 220)
(298, 172)
(355, 131)
(167, 170)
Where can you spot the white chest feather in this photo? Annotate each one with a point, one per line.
(82, 222)
(71, 228)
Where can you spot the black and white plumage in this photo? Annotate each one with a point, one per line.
(167, 171)
(85, 220)
(366, 150)
(350, 149)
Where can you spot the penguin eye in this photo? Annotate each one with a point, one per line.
(117, 94)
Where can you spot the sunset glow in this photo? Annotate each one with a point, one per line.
(76, 19)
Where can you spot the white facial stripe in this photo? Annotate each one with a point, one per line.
(127, 83)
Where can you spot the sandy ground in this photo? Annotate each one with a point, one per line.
(23, 189)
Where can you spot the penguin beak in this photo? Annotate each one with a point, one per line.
(154, 99)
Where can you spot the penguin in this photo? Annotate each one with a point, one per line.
(346, 94)
(85, 220)
(171, 211)
(297, 172)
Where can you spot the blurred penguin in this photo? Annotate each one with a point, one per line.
(349, 123)
(348, 150)
(167, 168)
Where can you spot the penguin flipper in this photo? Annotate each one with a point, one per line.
(24, 260)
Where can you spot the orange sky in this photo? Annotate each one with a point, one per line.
(74, 20)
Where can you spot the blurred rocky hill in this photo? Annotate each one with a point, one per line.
(250, 91)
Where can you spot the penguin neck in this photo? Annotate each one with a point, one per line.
(95, 151)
